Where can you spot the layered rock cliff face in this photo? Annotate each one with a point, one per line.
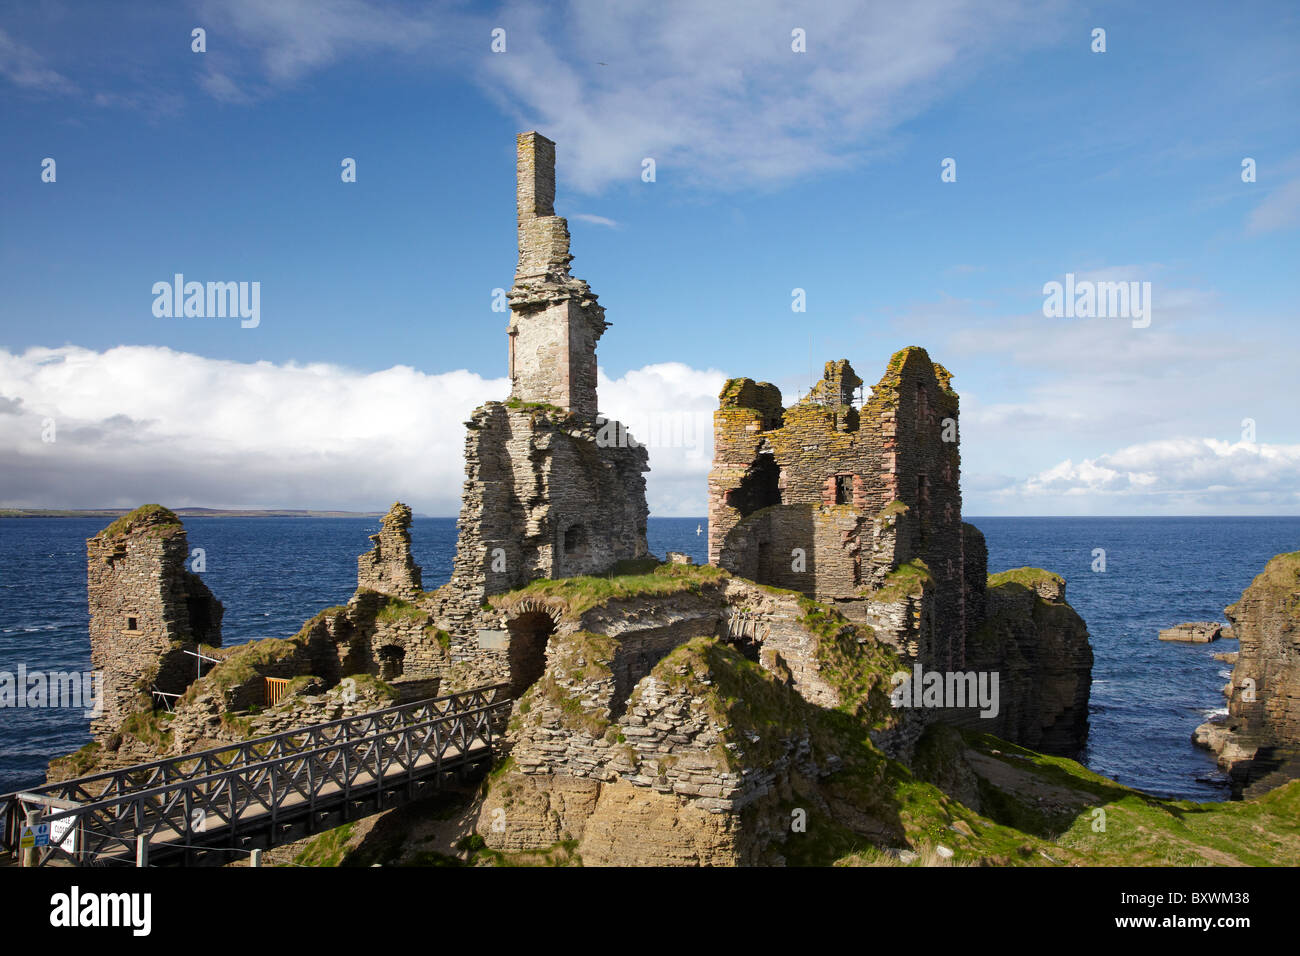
(1038, 645)
(1259, 742)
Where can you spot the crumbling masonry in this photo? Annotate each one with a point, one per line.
(836, 498)
(146, 611)
(552, 490)
(671, 715)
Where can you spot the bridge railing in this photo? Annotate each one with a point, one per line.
(172, 799)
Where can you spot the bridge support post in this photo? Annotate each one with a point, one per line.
(30, 854)
(141, 850)
(255, 858)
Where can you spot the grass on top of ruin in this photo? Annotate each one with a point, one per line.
(638, 579)
(161, 519)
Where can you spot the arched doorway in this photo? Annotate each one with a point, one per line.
(529, 633)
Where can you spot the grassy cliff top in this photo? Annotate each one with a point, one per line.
(1281, 579)
(1028, 577)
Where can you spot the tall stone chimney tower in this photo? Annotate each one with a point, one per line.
(555, 320)
(550, 490)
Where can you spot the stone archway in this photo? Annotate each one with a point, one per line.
(530, 631)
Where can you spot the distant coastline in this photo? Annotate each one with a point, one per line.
(186, 513)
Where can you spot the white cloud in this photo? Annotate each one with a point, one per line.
(222, 88)
(23, 67)
(714, 93)
(137, 424)
(669, 408)
(295, 37)
(1179, 476)
(1279, 210)
(595, 220)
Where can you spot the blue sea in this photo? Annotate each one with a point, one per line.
(274, 573)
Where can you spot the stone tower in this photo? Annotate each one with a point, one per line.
(146, 610)
(551, 490)
(555, 321)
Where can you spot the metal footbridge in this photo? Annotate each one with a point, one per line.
(216, 805)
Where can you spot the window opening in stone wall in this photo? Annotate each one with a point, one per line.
(575, 540)
(844, 489)
(759, 488)
(922, 505)
(391, 662)
(922, 407)
(133, 624)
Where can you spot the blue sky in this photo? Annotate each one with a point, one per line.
(775, 170)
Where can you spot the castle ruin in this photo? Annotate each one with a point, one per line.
(146, 612)
(664, 711)
(832, 496)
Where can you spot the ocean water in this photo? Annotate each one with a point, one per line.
(274, 573)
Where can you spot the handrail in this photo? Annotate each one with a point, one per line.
(472, 709)
(206, 786)
(252, 768)
(243, 745)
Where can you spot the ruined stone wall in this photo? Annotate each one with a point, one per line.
(768, 628)
(145, 610)
(552, 490)
(736, 480)
(914, 411)
(828, 500)
(389, 567)
(544, 497)
(390, 640)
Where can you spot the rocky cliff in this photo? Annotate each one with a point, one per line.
(688, 716)
(1259, 742)
(1038, 645)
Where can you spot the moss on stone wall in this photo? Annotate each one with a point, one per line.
(150, 728)
(244, 664)
(907, 580)
(756, 715)
(394, 609)
(855, 665)
(158, 519)
(894, 508)
(577, 661)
